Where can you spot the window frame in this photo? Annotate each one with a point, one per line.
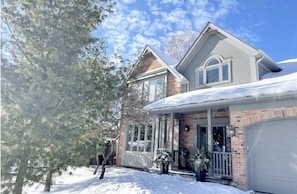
(135, 143)
(158, 83)
(204, 67)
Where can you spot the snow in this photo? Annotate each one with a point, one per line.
(170, 62)
(273, 84)
(288, 66)
(126, 180)
(166, 58)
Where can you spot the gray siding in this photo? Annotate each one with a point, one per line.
(137, 159)
(240, 65)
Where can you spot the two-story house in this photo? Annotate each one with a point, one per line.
(226, 96)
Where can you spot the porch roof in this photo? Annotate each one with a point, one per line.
(273, 87)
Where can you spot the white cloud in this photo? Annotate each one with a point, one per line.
(172, 2)
(152, 21)
(129, 1)
(245, 34)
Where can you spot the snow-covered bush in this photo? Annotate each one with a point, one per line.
(200, 160)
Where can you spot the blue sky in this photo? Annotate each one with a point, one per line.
(269, 25)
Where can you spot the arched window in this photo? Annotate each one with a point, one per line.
(215, 70)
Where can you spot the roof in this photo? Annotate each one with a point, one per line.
(281, 85)
(163, 56)
(210, 29)
(165, 60)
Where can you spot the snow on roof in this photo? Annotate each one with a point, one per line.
(166, 58)
(278, 84)
(288, 66)
(171, 64)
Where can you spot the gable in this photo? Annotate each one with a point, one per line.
(147, 65)
(215, 45)
(247, 64)
(153, 62)
(149, 62)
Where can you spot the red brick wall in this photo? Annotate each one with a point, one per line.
(244, 118)
(173, 86)
(149, 62)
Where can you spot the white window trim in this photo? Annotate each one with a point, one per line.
(204, 68)
(146, 142)
(148, 81)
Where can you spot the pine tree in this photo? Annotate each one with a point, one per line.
(57, 92)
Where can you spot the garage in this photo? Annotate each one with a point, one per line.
(272, 156)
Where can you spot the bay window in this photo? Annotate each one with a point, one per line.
(139, 138)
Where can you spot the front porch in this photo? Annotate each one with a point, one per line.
(208, 129)
(220, 168)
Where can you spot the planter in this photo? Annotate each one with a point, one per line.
(164, 168)
(200, 175)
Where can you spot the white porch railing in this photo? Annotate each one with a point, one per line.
(222, 164)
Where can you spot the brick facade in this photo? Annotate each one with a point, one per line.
(173, 86)
(149, 63)
(241, 119)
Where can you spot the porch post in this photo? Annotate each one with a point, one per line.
(209, 136)
(209, 129)
(157, 132)
(171, 135)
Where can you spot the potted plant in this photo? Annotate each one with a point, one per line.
(200, 161)
(164, 159)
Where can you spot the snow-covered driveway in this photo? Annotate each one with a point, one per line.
(124, 180)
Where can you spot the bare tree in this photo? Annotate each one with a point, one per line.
(178, 44)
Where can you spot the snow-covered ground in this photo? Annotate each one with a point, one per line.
(124, 180)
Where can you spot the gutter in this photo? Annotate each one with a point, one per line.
(223, 103)
(265, 56)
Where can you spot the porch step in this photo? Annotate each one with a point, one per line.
(191, 175)
(175, 171)
(219, 180)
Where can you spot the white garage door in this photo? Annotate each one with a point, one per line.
(272, 156)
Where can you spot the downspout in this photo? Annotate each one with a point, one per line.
(257, 65)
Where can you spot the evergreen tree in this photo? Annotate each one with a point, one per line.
(58, 87)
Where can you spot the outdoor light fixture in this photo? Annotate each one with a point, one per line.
(187, 128)
(230, 131)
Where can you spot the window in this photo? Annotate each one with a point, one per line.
(215, 70)
(139, 138)
(152, 90)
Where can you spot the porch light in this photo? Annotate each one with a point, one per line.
(230, 131)
(187, 128)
